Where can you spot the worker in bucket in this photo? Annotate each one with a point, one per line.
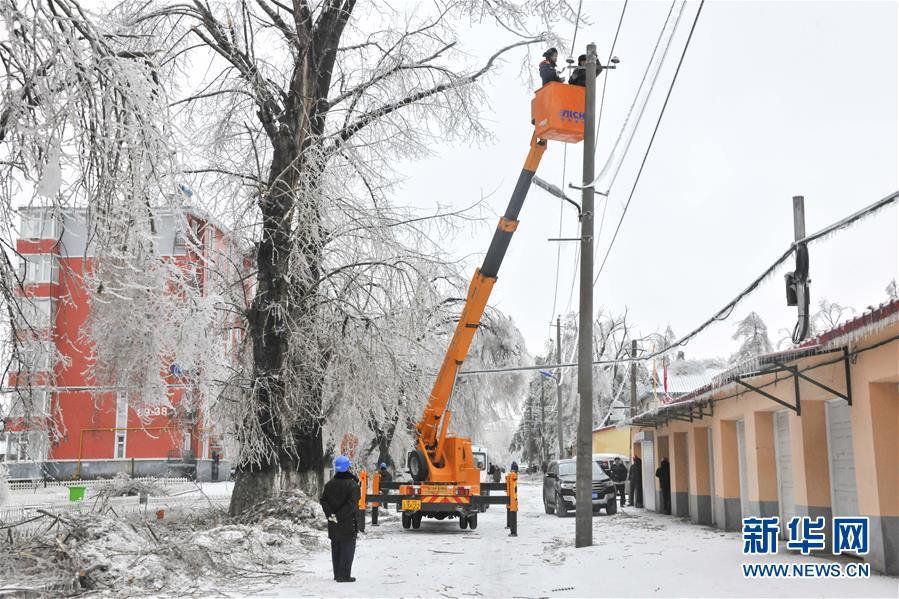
(579, 75)
(548, 72)
(340, 502)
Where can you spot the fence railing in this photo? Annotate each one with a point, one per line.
(11, 517)
(39, 484)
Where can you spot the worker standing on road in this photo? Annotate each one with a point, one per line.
(340, 502)
(548, 72)
(386, 477)
(619, 475)
(636, 478)
(514, 466)
(663, 473)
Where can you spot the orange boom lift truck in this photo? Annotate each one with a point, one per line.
(446, 481)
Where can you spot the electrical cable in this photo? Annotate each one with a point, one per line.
(727, 310)
(605, 205)
(651, 140)
(565, 158)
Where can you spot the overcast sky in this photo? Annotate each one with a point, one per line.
(775, 99)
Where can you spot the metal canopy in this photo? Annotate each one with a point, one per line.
(693, 410)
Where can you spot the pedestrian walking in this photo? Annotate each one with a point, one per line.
(636, 477)
(340, 501)
(619, 476)
(514, 466)
(663, 473)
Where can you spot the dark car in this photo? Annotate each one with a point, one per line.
(559, 485)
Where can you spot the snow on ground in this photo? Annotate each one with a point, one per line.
(636, 553)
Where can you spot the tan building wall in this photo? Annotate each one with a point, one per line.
(613, 440)
(874, 424)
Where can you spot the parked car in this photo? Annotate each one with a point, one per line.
(605, 462)
(559, 488)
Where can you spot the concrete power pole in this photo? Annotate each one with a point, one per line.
(633, 377)
(559, 388)
(543, 419)
(583, 536)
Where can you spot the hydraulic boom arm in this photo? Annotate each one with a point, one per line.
(431, 434)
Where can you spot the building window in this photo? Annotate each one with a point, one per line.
(185, 441)
(38, 268)
(39, 224)
(121, 422)
(120, 445)
(121, 410)
(35, 312)
(34, 356)
(27, 402)
(16, 447)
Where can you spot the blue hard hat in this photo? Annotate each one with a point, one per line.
(383, 466)
(342, 463)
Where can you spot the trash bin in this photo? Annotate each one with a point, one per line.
(76, 493)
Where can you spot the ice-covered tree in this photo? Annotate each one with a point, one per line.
(752, 333)
(829, 315)
(291, 117)
(892, 291)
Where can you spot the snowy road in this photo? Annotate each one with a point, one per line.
(636, 553)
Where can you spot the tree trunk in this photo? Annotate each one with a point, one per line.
(304, 469)
(252, 487)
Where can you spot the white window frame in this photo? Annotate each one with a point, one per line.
(35, 269)
(120, 448)
(121, 409)
(39, 224)
(14, 439)
(35, 356)
(37, 312)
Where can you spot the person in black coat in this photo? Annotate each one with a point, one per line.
(663, 473)
(340, 502)
(579, 75)
(548, 72)
(514, 466)
(636, 477)
(618, 473)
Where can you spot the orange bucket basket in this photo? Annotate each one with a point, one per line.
(558, 112)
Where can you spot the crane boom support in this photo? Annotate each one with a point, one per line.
(475, 303)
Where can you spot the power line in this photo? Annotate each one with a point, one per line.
(602, 101)
(649, 64)
(651, 140)
(726, 311)
(565, 157)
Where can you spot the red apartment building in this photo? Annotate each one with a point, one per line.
(74, 428)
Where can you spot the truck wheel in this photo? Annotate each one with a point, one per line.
(463, 521)
(612, 505)
(416, 521)
(472, 521)
(418, 465)
(407, 521)
(561, 510)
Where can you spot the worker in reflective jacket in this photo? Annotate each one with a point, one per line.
(548, 72)
(340, 502)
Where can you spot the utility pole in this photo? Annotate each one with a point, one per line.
(543, 418)
(633, 377)
(583, 536)
(797, 281)
(559, 388)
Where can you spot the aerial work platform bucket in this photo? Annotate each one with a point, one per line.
(558, 112)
